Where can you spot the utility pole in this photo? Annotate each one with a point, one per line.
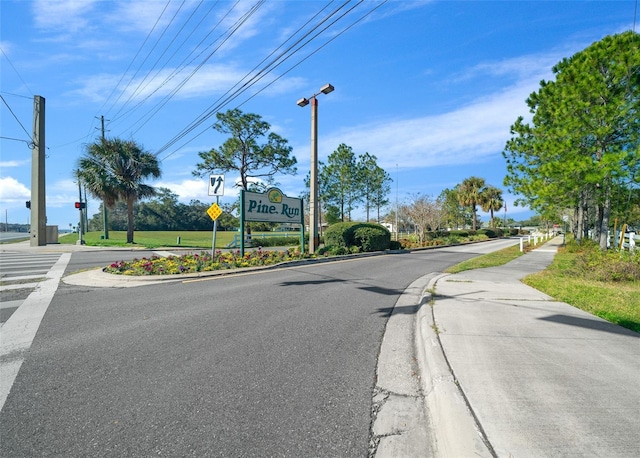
(105, 217)
(38, 203)
(81, 221)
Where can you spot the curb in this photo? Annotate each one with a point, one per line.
(455, 431)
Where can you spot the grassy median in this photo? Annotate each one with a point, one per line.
(177, 239)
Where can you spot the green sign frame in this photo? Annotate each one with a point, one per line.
(272, 206)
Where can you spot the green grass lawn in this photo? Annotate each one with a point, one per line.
(497, 258)
(617, 302)
(155, 239)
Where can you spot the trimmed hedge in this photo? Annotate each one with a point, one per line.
(491, 233)
(365, 236)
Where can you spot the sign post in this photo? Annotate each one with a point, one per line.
(216, 188)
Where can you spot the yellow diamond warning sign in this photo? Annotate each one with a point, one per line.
(214, 211)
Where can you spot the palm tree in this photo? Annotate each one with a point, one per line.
(491, 200)
(113, 170)
(470, 194)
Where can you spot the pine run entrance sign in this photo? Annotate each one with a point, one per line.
(272, 207)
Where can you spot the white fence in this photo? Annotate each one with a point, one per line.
(535, 239)
(624, 241)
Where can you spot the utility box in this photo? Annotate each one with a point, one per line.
(52, 234)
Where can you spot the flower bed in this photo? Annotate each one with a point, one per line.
(203, 262)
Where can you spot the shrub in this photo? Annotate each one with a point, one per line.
(606, 266)
(395, 245)
(365, 236)
(338, 250)
(490, 233)
(258, 240)
(336, 235)
(372, 238)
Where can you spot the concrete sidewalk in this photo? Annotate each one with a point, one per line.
(508, 371)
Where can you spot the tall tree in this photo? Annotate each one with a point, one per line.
(375, 183)
(455, 215)
(243, 153)
(160, 213)
(584, 138)
(425, 213)
(491, 201)
(470, 195)
(114, 169)
(340, 181)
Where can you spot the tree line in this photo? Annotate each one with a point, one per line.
(579, 157)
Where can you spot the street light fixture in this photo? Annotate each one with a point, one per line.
(314, 239)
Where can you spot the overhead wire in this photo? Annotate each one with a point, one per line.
(117, 85)
(17, 120)
(252, 77)
(178, 67)
(182, 66)
(132, 61)
(17, 72)
(226, 97)
(227, 35)
(135, 91)
(313, 52)
(221, 102)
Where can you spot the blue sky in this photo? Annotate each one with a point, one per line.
(428, 87)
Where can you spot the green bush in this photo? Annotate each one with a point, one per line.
(490, 233)
(365, 236)
(460, 233)
(257, 240)
(335, 235)
(372, 238)
(605, 266)
(395, 245)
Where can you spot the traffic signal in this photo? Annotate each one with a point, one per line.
(81, 205)
(28, 203)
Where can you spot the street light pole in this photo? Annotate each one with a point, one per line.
(314, 239)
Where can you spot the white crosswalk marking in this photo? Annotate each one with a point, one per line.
(20, 329)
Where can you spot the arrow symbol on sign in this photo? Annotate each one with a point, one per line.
(215, 183)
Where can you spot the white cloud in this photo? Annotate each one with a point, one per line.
(14, 163)
(64, 15)
(137, 16)
(469, 134)
(186, 189)
(461, 136)
(213, 79)
(12, 190)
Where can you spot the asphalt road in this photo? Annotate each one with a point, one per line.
(12, 236)
(276, 363)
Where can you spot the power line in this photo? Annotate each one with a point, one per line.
(229, 33)
(135, 91)
(29, 144)
(132, 61)
(146, 116)
(18, 120)
(15, 70)
(17, 95)
(314, 52)
(221, 102)
(196, 27)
